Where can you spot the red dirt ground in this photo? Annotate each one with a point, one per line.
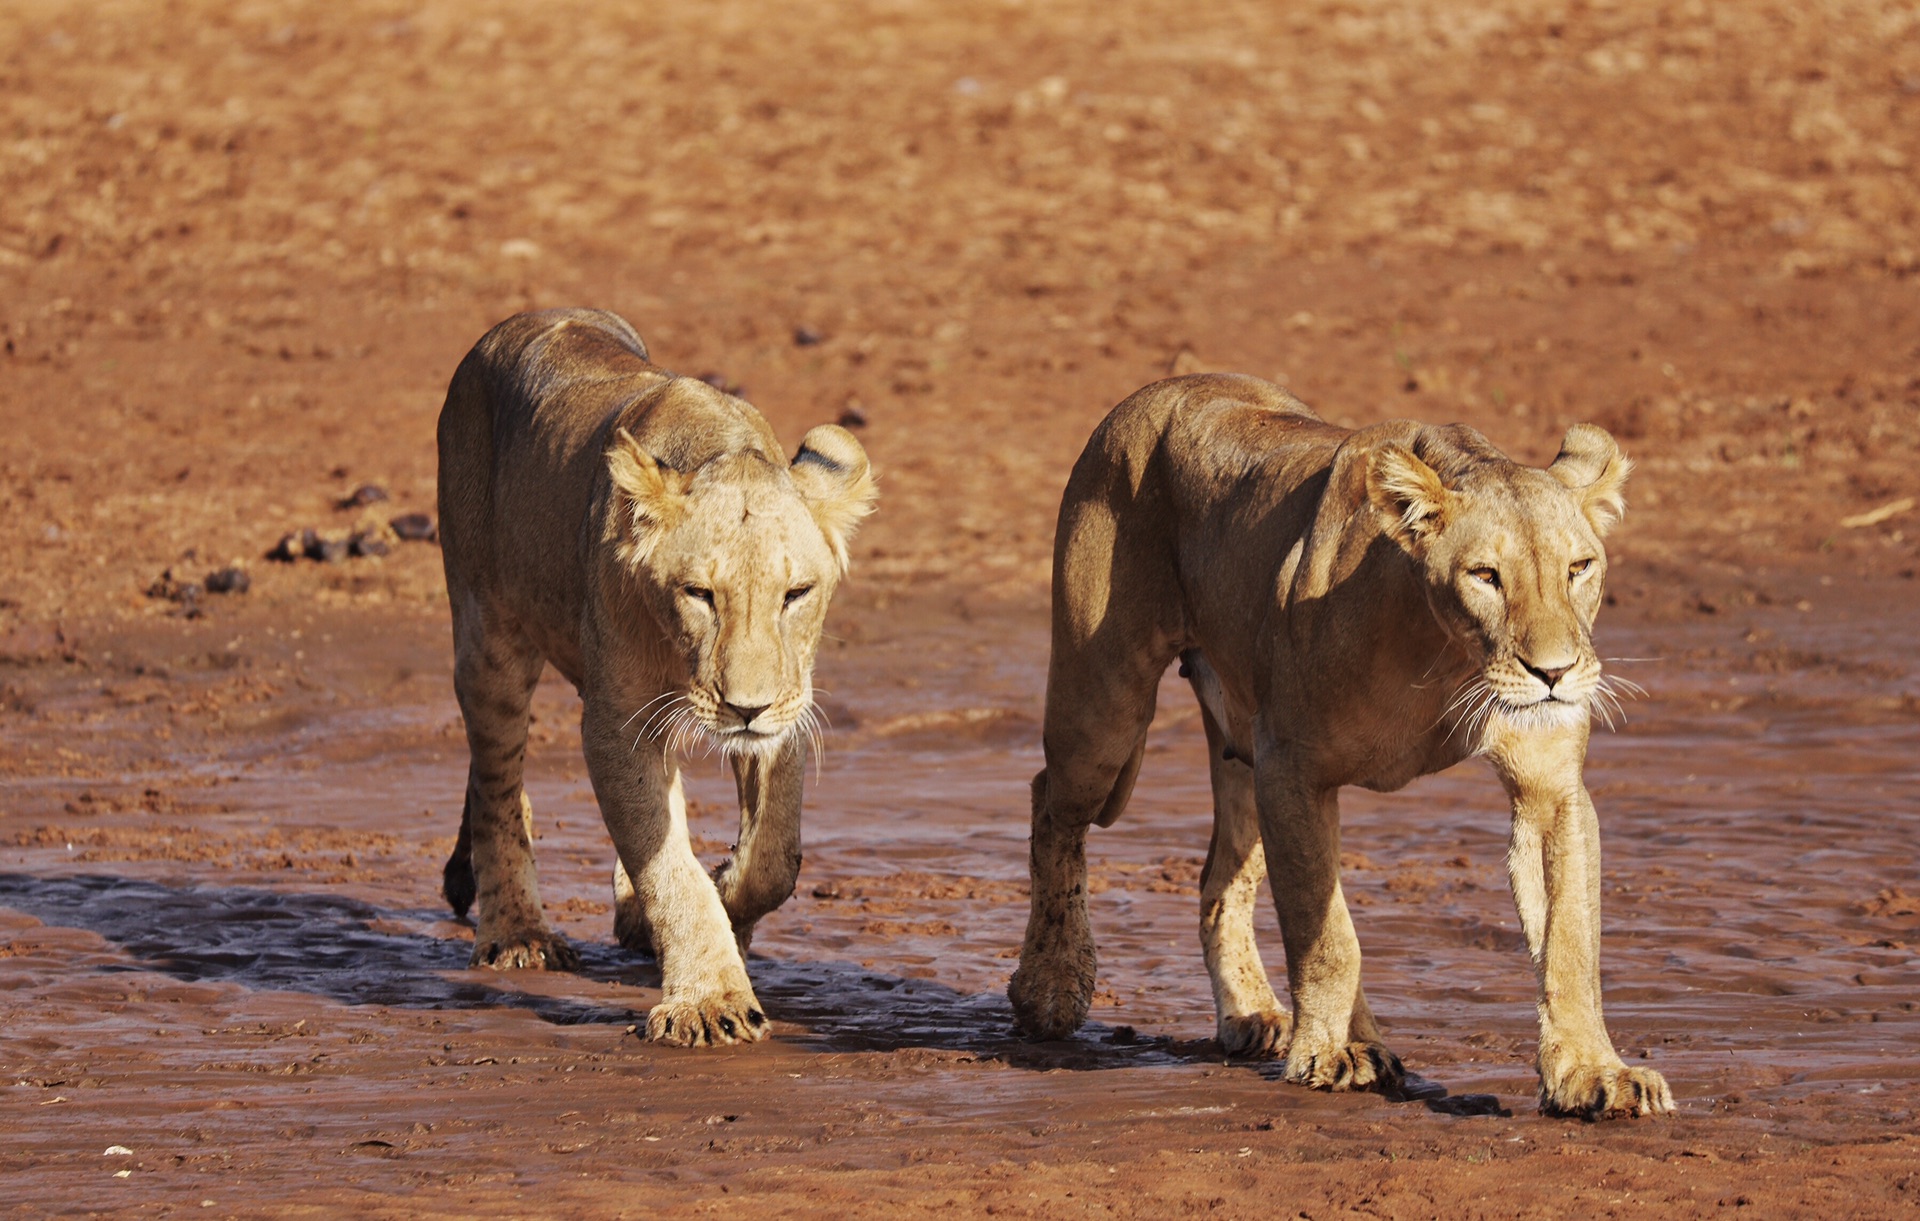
(245, 244)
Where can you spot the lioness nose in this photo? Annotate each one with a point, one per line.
(1546, 674)
(746, 712)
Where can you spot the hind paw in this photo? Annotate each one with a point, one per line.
(1256, 1036)
(1611, 1091)
(714, 1021)
(537, 950)
(1357, 1066)
(1051, 995)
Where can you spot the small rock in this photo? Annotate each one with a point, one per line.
(853, 415)
(368, 544)
(806, 337)
(287, 550)
(186, 592)
(365, 494)
(724, 384)
(414, 528)
(228, 581)
(327, 550)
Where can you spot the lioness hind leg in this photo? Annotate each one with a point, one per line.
(630, 927)
(1053, 986)
(456, 879)
(494, 675)
(765, 864)
(1250, 1020)
(1117, 619)
(1336, 1044)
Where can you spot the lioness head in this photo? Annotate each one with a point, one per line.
(737, 561)
(1512, 559)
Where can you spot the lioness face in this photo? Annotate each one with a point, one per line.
(1515, 570)
(737, 562)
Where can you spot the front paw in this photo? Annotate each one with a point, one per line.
(532, 949)
(1608, 1091)
(1256, 1036)
(1051, 993)
(1356, 1066)
(715, 1021)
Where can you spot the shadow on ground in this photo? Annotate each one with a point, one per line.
(334, 946)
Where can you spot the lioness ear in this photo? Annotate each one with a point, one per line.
(833, 475)
(1409, 491)
(648, 498)
(1590, 463)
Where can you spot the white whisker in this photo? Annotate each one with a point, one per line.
(1615, 685)
(650, 703)
(1427, 673)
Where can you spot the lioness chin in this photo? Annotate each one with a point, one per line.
(1352, 607)
(644, 535)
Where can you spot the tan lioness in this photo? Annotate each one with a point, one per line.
(644, 534)
(1352, 607)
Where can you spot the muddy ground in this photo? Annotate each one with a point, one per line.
(244, 246)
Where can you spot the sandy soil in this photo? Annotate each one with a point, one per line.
(244, 246)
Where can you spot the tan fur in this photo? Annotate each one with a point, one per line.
(1352, 607)
(644, 534)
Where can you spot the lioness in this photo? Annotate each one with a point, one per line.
(1352, 607)
(644, 534)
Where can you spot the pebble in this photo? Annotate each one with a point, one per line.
(173, 590)
(326, 550)
(228, 581)
(853, 415)
(365, 494)
(414, 528)
(806, 337)
(310, 544)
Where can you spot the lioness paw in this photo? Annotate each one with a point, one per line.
(1256, 1036)
(1050, 995)
(536, 951)
(1611, 1091)
(1357, 1066)
(713, 1022)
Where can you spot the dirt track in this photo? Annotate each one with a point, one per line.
(245, 245)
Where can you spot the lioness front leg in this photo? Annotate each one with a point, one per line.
(1336, 1045)
(1553, 863)
(1249, 1018)
(706, 998)
(495, 670)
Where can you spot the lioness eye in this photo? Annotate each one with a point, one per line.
(1488, 576)
(798, 592)
(1578, 566)
(699, 593)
